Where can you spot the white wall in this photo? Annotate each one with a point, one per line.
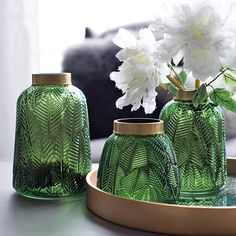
(18, 59)
(62, 23)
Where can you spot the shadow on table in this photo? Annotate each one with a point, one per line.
(40, 217)
(117, 229)
(68, 217)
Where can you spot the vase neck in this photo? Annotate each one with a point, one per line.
(185, 95)
(138, 126)
(51, 79)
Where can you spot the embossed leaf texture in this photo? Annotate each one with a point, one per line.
(138, 168)
(52, 141)
(199, 141)
(103, 171)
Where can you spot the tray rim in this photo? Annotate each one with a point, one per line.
(104, 205)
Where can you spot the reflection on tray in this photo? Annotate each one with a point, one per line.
(226, 197)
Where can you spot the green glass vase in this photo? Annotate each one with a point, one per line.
(138, 162)
(52, 145)
(198, 136)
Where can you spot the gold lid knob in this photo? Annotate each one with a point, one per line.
(51, 78)
(185, 95)
(138, 126)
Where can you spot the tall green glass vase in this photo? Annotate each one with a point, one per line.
(52, 145)
(198, 136)
(138, 162)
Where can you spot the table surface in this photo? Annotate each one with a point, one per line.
(20, 216)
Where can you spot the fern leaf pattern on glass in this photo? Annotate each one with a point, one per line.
(199, 141)
(139, 167)
(52, 149)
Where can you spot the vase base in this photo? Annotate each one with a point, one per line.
(193, 194)
(76, 196)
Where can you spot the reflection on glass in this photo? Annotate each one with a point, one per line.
(226, 197)
(214, 200)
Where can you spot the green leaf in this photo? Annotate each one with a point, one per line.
(183, 76)
(200, 95)
(224, 68)
(223, 97)
(230, 78)
(171, 88)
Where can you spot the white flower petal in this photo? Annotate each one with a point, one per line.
(202, 63)
(149, 104)
(151, 84)
(186, 11)
(147, 36)
(171, 47)
(122, 102)
(139, 74)
(136, 106)
(124, 39)
(158, 28)
(197, 33)
(126, 53)
(164, 70)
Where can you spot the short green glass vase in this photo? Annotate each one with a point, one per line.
(52, 145)
(138, 162)
(198, 136)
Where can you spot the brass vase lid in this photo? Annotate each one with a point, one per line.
(51, 78)
(138, 126)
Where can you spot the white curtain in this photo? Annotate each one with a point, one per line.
(18, 60)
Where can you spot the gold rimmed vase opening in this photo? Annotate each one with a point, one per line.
(138, 126)
(51, 79)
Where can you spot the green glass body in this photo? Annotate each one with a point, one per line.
(52, 145)
(217, 200)
(139, 167)
(198, 136)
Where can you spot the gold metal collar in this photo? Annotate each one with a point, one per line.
(138, 126)
(184, 95)
(51, 78)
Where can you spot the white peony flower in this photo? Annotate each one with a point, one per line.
(199, 35)
(138, 76)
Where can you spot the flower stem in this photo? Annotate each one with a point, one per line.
(176, 80)
(197, 83)
(221, 73)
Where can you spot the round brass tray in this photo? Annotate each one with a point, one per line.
(159, 217)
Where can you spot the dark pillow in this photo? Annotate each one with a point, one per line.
(89, 33)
